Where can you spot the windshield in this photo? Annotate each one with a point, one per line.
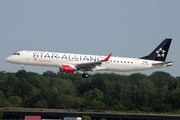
(16, 54)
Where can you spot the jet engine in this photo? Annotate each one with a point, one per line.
(67, 68)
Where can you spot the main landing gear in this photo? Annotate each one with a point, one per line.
(85, 74)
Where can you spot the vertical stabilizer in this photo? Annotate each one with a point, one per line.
(160, 53)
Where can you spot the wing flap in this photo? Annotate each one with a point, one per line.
(91, 65)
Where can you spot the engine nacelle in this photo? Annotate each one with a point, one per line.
(67, 68)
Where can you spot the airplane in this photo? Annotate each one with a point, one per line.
(69, 63)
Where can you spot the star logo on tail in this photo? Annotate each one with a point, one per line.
(160, 52)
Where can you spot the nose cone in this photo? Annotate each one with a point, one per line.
(8, 59)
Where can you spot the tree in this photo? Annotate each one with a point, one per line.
(15, 101)
(160, 79)
(143, 93)
(93, 99)
(1, 114)
(174, 100)
(41, 104)
(159, 92)
(3, 100)
(67, 102)
(48, 73)
(85, 117)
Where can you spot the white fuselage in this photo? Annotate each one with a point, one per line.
(53, 59)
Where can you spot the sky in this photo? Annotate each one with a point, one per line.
(126, 28)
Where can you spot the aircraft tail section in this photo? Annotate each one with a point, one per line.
(160, 53)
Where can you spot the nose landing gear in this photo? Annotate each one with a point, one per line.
(22, 66)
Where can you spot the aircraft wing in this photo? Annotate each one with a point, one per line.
(91, 65)
(166, 64)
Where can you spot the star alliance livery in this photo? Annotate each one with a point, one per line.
(69, 63)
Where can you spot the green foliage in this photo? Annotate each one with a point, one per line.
(159, 92)
(15, 101)
(85, 117)
(1, 114)
(41, 104)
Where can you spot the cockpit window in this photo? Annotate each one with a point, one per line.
(16, 54)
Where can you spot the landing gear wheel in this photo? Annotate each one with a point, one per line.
(85, 75)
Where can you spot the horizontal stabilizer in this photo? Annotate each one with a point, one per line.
(165, 64)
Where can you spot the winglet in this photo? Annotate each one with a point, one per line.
(107, 58)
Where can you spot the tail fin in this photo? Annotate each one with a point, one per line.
(160, 53)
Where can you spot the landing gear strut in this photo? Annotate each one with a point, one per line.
(85, 74)
(22, 66)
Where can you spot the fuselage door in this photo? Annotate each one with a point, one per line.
(137, 63)
(28, 55)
